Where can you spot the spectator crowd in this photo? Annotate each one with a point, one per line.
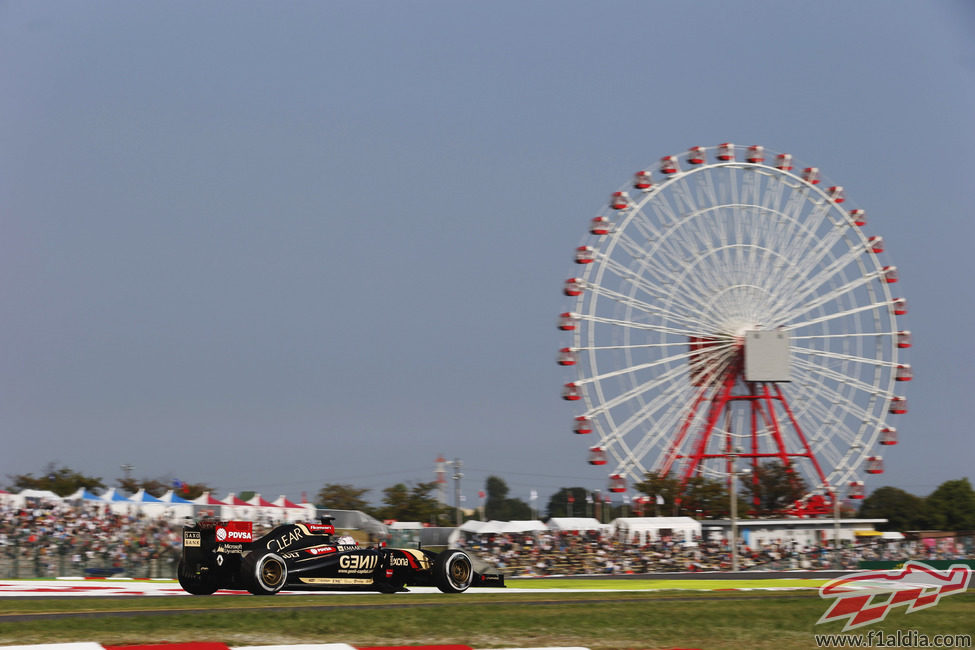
(593, 552)
(77, 540)
(61, 539)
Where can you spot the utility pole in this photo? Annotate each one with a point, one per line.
(457, 476)
(838, 558)
(733, 458)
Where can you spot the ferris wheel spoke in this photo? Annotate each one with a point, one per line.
(841, 403)
(637, 368)
(667, 425)
(683, 333)
(645, 285)
(837, 315)
(663, 274)
(684, 321)
(658, 401)
(808, 282)
(827, 354)
(846, 379)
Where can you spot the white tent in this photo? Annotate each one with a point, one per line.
(525, 526)
(581, 524)
(176, 506)
(266, 511)
(118, 502)
(208, 505)
(148, 505)
(20, 499)
(83, 494)
(293, 512)
(643, 529)
(478, 527)
(240, 509)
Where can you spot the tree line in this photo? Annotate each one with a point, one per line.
(766, 493)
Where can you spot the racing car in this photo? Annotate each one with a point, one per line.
(309, 556)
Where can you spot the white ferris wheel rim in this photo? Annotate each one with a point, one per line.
(715, 249)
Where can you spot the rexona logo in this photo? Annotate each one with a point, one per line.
(235, 531)
(865, 598)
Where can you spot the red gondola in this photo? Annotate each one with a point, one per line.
(585, 255)
(899, 306)
(597, 456)
(583, 425)
(695, 155)
(756, 154)
(859, 217)
(898, 405)
(875, 465)
(641, 181)
(904, 372)
(567, 357)
(784, 161)
(837, 194)
(571, 392)
(875, 244)
(600, 226)
(668, 165)
(811, 175)
(619, 200)
(572, 287)
(568, 321)
(726, 151)
(888, 436)
(890, 274)
(617, 483)
(903, 339)
(856, 490)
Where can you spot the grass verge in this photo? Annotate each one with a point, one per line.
(601, 621)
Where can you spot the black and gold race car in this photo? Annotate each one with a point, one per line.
(308, 556)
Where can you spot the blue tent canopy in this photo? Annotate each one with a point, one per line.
(172, 497)
(144, 497)
(113, 495)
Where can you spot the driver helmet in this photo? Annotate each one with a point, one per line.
(347, 540)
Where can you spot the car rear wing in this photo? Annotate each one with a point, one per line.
(208, 535)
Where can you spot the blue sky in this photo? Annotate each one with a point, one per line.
(271, 245)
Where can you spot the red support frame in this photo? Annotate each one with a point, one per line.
(722, 390)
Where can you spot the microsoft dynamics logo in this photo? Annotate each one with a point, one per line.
(865, 598)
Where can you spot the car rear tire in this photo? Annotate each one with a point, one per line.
(453, 572)
(264, 575)
(198, 584)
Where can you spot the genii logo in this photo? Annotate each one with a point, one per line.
(235, 531)
(866, 598)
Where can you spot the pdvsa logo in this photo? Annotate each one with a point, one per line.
(320, 550)
(235, 531)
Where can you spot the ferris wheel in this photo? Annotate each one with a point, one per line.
(729, 310)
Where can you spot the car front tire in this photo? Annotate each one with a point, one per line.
(453, 572)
